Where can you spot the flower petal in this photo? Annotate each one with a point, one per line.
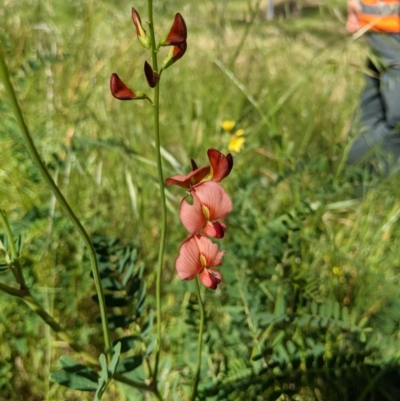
(144, 40)
(209, 250)
(221, 165)
(236, 144)
(228, 125)
(215, 229)
(192, 216)
(194, 165)
(151, 76)
(137, 22)
(210, 278)
(188, 262)
(177, 34)
(186, 181)
(214, 197)
(174, 55)
(122, 92)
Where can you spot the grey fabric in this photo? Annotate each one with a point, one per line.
(378, 124)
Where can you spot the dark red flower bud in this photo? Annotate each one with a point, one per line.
(151, 76)
(177, 34)
(174, 55)
(194, 165)
(122, 92)
(144, 40)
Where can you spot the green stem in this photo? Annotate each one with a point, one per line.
(29, 144)
(161, 250)
(200, 340)
(12, 291)
(14, 265)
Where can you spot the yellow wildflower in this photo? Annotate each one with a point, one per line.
(228, 125)
(337, 271)
(236, 143)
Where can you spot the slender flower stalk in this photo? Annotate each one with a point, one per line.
(30, 146)
(161, 250)
(199, 341)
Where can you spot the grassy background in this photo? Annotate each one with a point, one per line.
(304, 232)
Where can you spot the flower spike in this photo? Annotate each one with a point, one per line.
(151, 76)
(121, 91)
(144, 39)
(177, 34)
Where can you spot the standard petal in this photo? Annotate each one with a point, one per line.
(214, 197)
(121, 91)
(177, 33)
(192, 216)
(221, 165)
(209, 250)
(188, 262)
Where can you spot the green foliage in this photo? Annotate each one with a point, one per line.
(122, 278)
(75, 375)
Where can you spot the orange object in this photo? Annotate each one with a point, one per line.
(380, 15)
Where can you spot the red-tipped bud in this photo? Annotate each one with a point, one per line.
(144, 40)
(174, 55)
(151, 76)
(177, 34)
(122, 92)
(194, 165)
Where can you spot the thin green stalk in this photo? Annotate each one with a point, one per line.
(12, 291)
(200, 340)
(14, 265)
(156, 111)
(29, 144)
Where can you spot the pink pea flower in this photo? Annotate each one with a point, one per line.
(219, 168)
(210, 204)
(198, 255)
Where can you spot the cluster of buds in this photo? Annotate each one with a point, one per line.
(176, 38)
(201, 217)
